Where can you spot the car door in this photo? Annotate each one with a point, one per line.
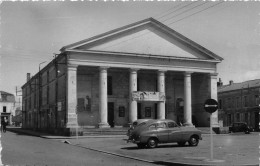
(162, 132)
(175, 132)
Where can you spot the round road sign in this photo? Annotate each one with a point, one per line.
(211, 105)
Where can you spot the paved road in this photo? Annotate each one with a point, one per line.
(30, 150)
(229, 149)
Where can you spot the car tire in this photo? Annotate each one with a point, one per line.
(141, 145)
(152, 143)
(181, 143)
(247, 132)
(194, 141)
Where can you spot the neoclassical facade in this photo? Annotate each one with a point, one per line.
(142, 70)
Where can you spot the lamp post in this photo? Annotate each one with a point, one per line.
(39, 97)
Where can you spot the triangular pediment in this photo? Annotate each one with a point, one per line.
(145, 37)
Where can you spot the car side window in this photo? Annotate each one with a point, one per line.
(172, 125)
(152, 127)
(161, 125)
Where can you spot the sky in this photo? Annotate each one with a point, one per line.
(32, 32)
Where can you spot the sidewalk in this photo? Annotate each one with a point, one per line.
(229, 149)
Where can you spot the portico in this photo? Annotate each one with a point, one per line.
(125, 83)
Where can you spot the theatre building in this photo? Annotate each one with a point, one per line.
(142, 70)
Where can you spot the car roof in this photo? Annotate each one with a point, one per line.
(159, 120)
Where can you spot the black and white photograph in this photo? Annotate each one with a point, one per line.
(129, 83)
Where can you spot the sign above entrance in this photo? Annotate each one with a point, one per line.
(211, 105)
(148, 96)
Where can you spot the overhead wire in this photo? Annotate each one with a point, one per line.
(174, 10)
(196, 13)
(185, 11)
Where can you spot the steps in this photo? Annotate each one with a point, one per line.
(104, 131)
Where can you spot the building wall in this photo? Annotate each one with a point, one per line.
(240, 105)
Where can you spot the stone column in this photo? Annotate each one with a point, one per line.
(187, 99)
(132, 88)
(161, 89)
(103, 97)
(72, 121)
(213, 95)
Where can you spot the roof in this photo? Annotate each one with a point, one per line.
(241, 85)
(6, 97)
(6, 93)
(146, 22)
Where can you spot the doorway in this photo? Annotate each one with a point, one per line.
(110, 116)
(139, 111)
(155, 111)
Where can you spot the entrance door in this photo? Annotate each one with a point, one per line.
(257, 121)
(110, 114)
(139, 111)
(155, 111)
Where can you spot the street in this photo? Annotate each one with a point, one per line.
(30, 150)
(229, 149)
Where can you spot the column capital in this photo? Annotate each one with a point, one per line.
(103, 68)
(213, 75)
(134, 69)
(187, 73)
(161, 71)
(72, 67)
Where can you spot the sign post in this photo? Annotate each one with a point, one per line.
(211, 106)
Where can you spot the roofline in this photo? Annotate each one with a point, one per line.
(97, 37)
(139, 23)
(189, 41)
(224, 91)
(142, 55)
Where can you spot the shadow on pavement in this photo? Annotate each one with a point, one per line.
(158, 147)
(167, 163)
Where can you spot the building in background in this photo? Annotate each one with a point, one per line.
(239, 102)
(142, 70)
(7, 106)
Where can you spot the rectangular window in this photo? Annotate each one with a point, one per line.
(257, 100)
(4, 108)
(121, 111)
(109, 85)
(48, 75)
(220, 104)
(48, 94)
(35, 101)
(148, 111)
(229, 102)
(237, 102)
(245, 101)
(246, 117)
(238, 117)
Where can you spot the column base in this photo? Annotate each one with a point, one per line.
(188, 124)
(103, 125)
(74, 131)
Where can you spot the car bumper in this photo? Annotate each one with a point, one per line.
(133, 141)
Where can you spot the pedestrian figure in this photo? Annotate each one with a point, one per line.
(4, 124)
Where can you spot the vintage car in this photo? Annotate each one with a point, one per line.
(153, 132)
(240, 127)
(134, 124)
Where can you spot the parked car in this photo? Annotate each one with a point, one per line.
(134, 124)
(153, 132)
(240, 127)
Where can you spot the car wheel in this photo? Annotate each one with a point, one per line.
(181, 143)
(141, 145)
(194, 141)
(152, 143)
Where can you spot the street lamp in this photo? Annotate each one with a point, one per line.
(39, 97)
